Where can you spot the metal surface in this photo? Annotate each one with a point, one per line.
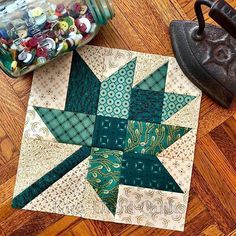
(207, 54)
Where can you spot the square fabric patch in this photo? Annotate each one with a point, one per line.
(111, 139)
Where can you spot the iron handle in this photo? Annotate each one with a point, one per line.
(224, 15)
(221, 12)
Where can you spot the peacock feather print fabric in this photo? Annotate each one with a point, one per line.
(110, 135)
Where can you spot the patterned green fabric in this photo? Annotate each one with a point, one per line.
(82, 98)
(104, 175)
(150, 138)
(50, 178)
(110, 133)
(146, 171)
(173, 103)
(146, 105)
(156, 81)
(115, 92)
(68, 127)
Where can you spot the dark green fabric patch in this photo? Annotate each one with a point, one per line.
(146, 171)
(50, 178)
(84, 88)
(146, 105)
(110, 133)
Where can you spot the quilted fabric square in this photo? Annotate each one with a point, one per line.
(110, 133)
(113, 141)
(146, 105)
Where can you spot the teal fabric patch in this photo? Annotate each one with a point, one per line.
(110, 133)
(150, 138)
(146, 171)
(84, 88)
(104, 175)
(146, 105)
(155, 81)
(50, 178)
(115, 92)
(68, 127)
(173, 103)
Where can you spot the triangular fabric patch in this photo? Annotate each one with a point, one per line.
(94, 57)
(182, 149)
(143, 170)
(50, 178)
(188, 112)
(155, 81)
(65, 195)
(101, 211)
(151, 138)
(68, 127)
(179, 169)
(104, 175)
(39, 157)
(146, 65)
(114, 99)
(35, 128)
(173, 103)
(84, 87)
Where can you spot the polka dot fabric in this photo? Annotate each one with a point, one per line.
(173, 103)
(114, 100)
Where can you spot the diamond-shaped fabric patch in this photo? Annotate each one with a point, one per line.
(146, 171)
(156, 81)
(104, 175)
(115, 92)
(68, 127)
(146, 105)
(110, 133)
(82, 98)
(150, 138)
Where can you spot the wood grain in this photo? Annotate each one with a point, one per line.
(139, 26)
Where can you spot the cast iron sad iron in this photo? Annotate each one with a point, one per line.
(207, 53)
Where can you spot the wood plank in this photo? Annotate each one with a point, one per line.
(6, 189)
(213, 230)
(211, 116)
(88, 228)
(9, 169)
(28, 222)
(224, 137)
(22, 87)
(12, 112)
(7, 149)
(61, 226)
(212, 203)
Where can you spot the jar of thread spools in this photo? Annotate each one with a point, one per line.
(34, 32)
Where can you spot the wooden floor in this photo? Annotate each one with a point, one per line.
(140, 25)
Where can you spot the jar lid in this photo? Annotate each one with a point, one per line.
(102, 10)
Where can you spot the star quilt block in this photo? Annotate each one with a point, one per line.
(112, 138)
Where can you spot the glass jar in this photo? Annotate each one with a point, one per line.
(34, 32)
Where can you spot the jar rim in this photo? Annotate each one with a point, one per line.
(102, 10)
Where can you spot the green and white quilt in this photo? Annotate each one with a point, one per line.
(110, 135)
